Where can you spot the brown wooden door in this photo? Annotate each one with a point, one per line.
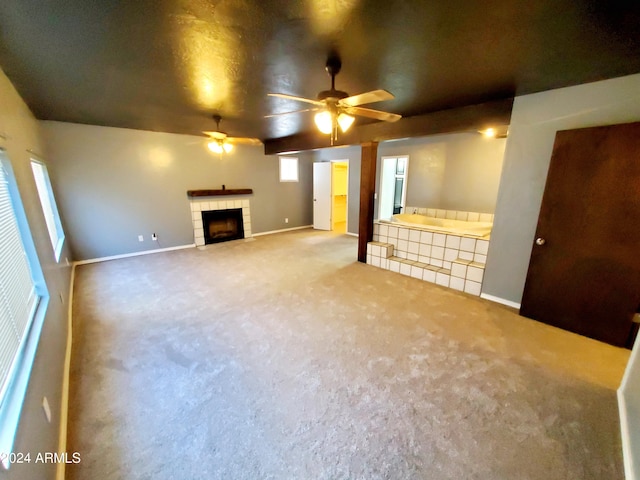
(585, 275)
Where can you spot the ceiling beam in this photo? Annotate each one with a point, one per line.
(455, 120)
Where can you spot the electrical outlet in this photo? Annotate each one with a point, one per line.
(140, 238)
(46, 408)
(154, 237)
(286, 220)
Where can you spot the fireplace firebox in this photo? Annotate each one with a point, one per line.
(222, 225)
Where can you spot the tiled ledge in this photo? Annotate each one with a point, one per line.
(463, 275)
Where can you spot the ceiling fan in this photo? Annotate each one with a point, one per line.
(220, 142)
(335, 108)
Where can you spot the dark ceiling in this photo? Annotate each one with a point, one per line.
(168, 65)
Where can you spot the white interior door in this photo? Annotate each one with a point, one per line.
(322, 196)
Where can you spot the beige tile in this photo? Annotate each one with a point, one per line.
(442, 279)
(482, 246)
(405, 269)
(441, 213)
(412, 256)
(403, 233)
(393, 232)
(416, 272)
(467, 256)
(431, 212)
(450, 215)
(475, 274)
(472, 287)
(458, 270)
(452, 241)
(424, 250)
(437, 252)
(456, 283)
(426, 238)
(414, 247)
(480, 258)
(450, 254)
(394, 266)
(414, 235)
(473, 217)
(384, 230)
(423, 259)
(429, 275)
(439, 239)
(462, 216)
(435, 262)
(375, 261)
(468, 244)
(403, 245)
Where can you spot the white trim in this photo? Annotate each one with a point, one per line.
(283, 230)
(352, 234)
(492, 298)
(627, 451)
(625, 427)
(64, 401)
(134, 254)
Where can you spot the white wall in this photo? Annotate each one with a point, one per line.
(35, 435)
(534, 122)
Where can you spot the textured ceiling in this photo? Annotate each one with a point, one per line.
(168, 65)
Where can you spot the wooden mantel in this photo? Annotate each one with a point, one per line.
(223, 191)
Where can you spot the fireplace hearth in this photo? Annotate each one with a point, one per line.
(222, 225)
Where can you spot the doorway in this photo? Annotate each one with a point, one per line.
(393, 186)
(330, 195)
(584, 272)
(339, 191)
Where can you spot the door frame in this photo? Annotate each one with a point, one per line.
(384, 178)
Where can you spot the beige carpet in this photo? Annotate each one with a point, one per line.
(283, 358)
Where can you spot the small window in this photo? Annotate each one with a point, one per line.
(288, 169)
(49, 208)
(23, 301)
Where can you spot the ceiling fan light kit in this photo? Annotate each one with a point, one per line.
(336, 109)
(219, 142)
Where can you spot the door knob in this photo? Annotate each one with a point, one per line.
(540, 241)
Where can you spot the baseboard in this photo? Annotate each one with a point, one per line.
(134, 254)
(64, 399)
(280, 231)
(502, 301)
(627, 451)
(352, 234)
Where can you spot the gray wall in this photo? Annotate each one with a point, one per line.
(35, 434)
(354, 156)
(116, 184)
(459, 171)
(534, 122)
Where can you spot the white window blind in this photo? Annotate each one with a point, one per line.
(18, 298)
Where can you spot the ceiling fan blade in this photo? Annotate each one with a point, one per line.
(244, 141)
(367, 97)
(216, 135)
(298, 99)
(295, 111)
(377, 114)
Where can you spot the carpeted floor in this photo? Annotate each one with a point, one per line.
(284, 358)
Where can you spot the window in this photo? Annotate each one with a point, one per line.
(49, 208)
(23, 299)
(288, 169)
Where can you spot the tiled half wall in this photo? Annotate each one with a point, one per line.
(200, 204)
(452, 261)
